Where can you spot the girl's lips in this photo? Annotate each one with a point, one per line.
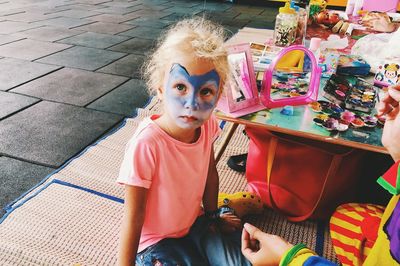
(189, 119)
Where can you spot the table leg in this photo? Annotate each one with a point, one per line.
(230, 129)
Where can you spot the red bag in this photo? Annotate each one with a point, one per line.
(298, 177)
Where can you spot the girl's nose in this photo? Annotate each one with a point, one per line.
(192, 103)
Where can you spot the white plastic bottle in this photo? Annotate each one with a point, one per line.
(350, 7)
(315, 48)
(357, 7)
(301, 26)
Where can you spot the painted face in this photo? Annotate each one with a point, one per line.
(190, 99)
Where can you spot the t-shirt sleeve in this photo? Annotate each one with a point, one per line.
(138, 165)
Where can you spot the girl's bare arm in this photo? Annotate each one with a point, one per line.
(210, 196)
(134, 212)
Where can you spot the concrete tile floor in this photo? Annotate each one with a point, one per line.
(69, 73)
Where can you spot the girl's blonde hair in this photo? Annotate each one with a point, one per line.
(198, 37)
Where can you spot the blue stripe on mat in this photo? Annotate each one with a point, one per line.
(103, 195)
(63, 183)
(319, 245)
(10, 205)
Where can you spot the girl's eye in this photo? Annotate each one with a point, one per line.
(180, 87)
(206, 92)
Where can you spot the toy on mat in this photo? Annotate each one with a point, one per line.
(244, 203)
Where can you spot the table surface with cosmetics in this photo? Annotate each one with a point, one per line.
(343, 112)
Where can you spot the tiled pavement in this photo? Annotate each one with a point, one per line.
(69, 73)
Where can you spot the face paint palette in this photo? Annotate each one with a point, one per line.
(357, 96)
(361, 97)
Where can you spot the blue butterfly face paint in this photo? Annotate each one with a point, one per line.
(190, 99)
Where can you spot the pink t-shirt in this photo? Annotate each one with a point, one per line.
(175, 174)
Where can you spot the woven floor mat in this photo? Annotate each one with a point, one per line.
(57, 223)
(62, 225)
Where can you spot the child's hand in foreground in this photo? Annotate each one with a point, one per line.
(261, 248)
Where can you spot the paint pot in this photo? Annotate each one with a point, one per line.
(381, 119)
(342, 127)
(323, 117)
(318, 121)
(331, 124)
(357, 122)
(336, 108)
(327, 110)
(370, 121)
(348, 116)
(340, 94)
(324, 103)
(315, 106)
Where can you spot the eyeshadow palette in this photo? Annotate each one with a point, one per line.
(356, 95)
(361, 97)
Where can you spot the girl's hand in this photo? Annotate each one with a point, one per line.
(391, 131)
(229, 222)
(262, 249)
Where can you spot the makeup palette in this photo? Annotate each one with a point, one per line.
(361, 97)
(358, 95)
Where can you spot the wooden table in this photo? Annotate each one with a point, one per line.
(301, 123)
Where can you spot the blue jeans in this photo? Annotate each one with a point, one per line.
(201, 246)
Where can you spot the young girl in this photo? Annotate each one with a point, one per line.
(169, 169)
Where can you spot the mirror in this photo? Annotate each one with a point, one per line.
(240, 95)
(240, 83)
(292, 78)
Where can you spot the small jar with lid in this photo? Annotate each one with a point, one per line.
(285, 26)
(301, 26)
